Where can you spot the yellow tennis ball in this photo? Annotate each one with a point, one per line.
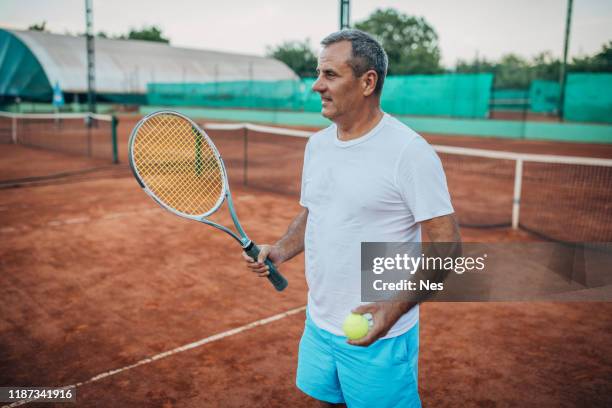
(355, 326)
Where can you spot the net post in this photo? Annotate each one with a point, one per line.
(90, 120)
(14, 128)
(516, 198)
(114, 123)
(245, 163)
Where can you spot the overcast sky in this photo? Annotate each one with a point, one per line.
(490, 28)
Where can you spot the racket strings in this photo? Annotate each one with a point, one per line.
(178, 164)
(186, 183)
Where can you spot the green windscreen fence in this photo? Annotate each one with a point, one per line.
(283, 95)
(510, 99)
(544, 96)
(454, 95)
(588, 97)
(311, 99)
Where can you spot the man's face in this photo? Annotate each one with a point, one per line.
(340, 90)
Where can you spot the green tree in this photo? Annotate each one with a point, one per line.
(146, 33)
(38, 27)
(410, 42)
(545, 66)
(600, 62)
(297, 55)
(477, 65)
(604, 58)
(511, 71)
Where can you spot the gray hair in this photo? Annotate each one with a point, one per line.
(367, 54)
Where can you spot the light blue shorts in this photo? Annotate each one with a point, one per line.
(385, 374)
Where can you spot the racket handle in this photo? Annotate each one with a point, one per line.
(278, 280)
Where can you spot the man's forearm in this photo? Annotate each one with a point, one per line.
(445, 230)
(292, 243)
(444, 241)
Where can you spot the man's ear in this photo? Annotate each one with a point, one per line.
(370, 79)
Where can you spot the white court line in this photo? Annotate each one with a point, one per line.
(177, 350)
(81, 220)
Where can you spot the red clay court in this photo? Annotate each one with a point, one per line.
(139, 308)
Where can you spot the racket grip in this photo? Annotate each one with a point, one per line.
(278, 280)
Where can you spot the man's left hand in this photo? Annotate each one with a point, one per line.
(384, 315)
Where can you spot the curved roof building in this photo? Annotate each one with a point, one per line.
(32, 62)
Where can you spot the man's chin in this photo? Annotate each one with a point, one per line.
(327, 113)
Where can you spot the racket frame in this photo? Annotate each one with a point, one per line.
(241, 237)
(276, 278)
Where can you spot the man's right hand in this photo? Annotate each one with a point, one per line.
(258, 266)
(292, 243)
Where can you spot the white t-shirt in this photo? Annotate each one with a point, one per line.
(375, 188)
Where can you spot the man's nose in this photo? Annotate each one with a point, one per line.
(318, 86)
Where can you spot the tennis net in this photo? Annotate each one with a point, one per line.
(562, 198)
(83, 134)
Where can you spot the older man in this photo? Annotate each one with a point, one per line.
(367, 177)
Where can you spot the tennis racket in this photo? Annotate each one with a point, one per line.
(178, 166)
